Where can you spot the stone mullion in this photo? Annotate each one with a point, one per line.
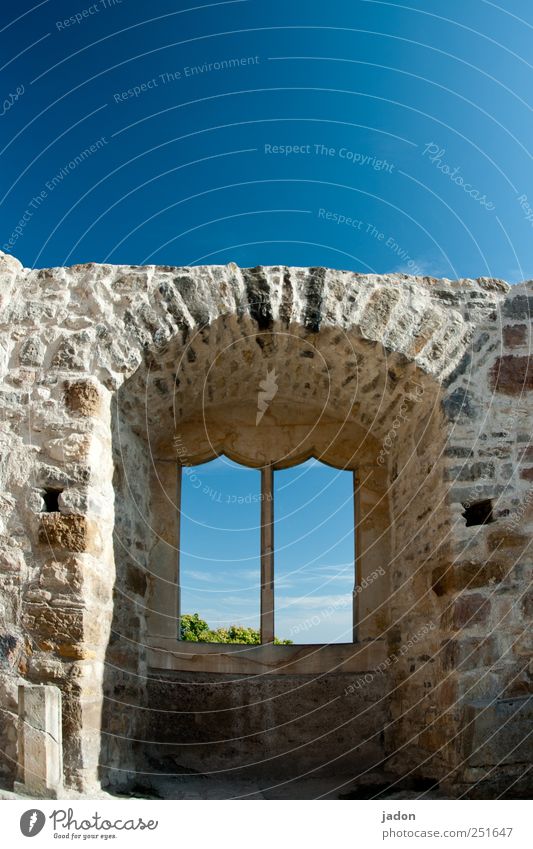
(179, 470)
(357, 557)
(267, 555)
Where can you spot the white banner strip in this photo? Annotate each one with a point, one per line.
(231, 824)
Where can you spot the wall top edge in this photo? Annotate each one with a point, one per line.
(11, 264)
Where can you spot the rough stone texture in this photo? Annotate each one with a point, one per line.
(272, 736)
(82, 396)
(40, 741)
(69, 533)
(424, 385)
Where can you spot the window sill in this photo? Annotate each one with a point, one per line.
(172, 655)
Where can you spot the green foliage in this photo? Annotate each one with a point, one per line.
(192, 627)
(196, 630)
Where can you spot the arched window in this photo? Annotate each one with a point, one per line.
(266, 555)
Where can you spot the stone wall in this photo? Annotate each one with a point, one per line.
(428, 385)
(267, 729)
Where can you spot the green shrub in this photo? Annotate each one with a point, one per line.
(196, 630)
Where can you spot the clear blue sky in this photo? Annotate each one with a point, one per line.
(181, 174)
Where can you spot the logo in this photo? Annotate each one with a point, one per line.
(32, 822)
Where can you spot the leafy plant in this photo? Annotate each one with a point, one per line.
(196, 630)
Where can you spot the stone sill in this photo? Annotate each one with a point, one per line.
(172, 655)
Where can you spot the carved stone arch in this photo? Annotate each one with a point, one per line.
(432, 385)
(341, 395)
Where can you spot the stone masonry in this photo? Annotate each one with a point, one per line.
(424, 385)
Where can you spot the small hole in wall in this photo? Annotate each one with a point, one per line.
(51, 500)
(479, 513)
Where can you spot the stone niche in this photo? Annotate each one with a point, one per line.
(112, 375)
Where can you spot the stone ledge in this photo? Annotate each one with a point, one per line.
(178, 656)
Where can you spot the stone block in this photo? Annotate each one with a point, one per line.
(514, 335)
(32, 352)
(459, 405)
(470, 471)
(71, 533)
(471, 575)
(468, 611)
(526, 454)
(499, 732)
(71, 448)
(378, 312)
(73, 352)
(136, 581)
(503, 539)
(466, 575)
(512, 375)
(518, 308)
(83, 397)
(64, 576)
(52, 625)
(527, 606)
(40, 740)
(467, 653)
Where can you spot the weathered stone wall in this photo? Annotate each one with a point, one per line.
(472, 583)
(274, 729)
(187, 342)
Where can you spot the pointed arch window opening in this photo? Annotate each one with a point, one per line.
(267, 546)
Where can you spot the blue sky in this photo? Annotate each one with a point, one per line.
(365, 135)
(313, 548)
(220, 543)
(409, 125)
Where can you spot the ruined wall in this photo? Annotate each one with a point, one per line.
(457, 698)
(472, 678)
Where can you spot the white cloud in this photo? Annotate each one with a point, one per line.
(314, 602)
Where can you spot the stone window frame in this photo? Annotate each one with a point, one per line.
(166, 652)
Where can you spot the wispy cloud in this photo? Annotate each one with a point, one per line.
(314, 602)
(424, 267)
(208, 576)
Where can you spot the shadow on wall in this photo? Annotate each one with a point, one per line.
(123, 716)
